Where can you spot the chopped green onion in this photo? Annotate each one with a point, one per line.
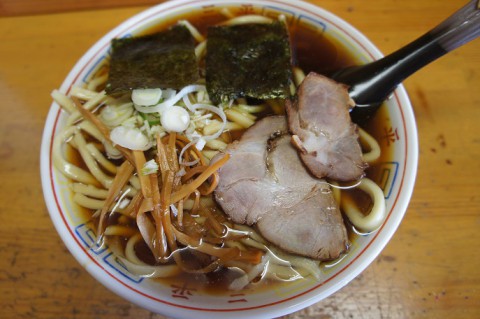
(151, 118)
(146, 97)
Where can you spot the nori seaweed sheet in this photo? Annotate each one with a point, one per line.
(248, 60)
(161, 60)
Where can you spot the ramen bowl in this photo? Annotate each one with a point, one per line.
(398, 137)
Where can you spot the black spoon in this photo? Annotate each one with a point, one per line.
(372, 83)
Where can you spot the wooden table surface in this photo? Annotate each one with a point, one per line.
(430, 268)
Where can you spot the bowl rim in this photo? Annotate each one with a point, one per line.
(291, 304)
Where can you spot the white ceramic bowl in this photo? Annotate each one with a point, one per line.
(177, 300)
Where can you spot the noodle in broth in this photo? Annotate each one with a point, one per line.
(154, 207)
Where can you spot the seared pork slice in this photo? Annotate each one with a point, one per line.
(322, 131)
(265, 183)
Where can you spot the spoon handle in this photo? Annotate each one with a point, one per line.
(372, 83)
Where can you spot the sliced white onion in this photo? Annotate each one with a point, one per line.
(180, 156)
(200, 143)
(181, 172)
(168, 93)
(168, 102)
(175, 119)
(199, 140)
(130, 137)
(115, 115)
(146, 97)
(124, 203)
(188, 103)
(108, 113)
(217, 110)
(174, 210)
(111, 151)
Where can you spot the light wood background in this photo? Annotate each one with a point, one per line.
(431, 267)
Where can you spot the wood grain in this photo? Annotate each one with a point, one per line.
(430, 268)
(33, 7)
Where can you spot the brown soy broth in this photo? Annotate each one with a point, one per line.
(317, 52)
(312, 51)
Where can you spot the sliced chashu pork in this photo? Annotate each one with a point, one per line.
(266, 184)
(322, 131)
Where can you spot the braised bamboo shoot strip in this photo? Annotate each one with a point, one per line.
(139, 158)
(134, 205)
(166, 219)
(194, 153)
(123, 175)
(219, 229)
(172, 152)
(213, 184)
(197, 170)
(186, 189)
(161, 241)
(196, 202)
(147, 230)
(146, 205)
(173, 159)
(165, 208)
(162, 157)
(89, 116)
(192, 172)
(180, 213)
